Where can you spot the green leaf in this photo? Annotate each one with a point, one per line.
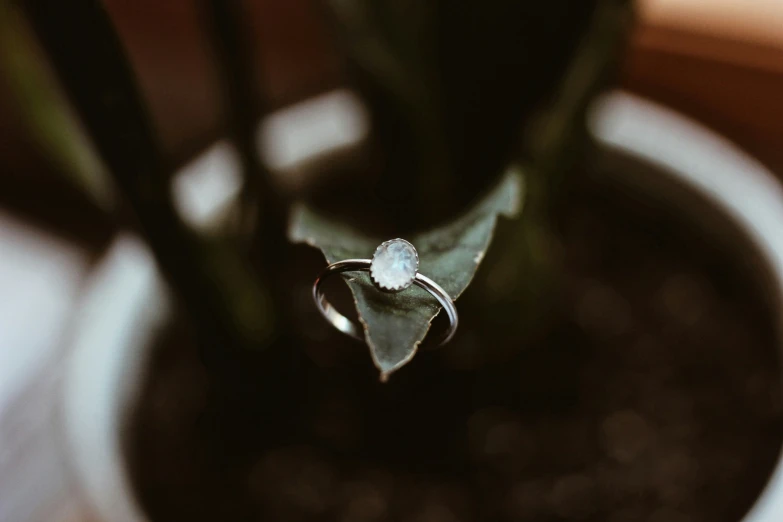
(395, 324)
(44, 110)
(223, 294)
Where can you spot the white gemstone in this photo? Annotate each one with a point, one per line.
(394, 265)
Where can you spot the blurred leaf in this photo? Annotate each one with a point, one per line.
(553, 138)
(450, 85)
(395, 324)
(216, 283)
(517, 289)
(226, 25)
(45, 112)
(392, 47)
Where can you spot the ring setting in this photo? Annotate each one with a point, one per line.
(393, 268)
(394, 265)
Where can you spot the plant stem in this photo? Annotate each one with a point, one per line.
(551, 146)
(211, 279)
(234, 57)
(45, 113)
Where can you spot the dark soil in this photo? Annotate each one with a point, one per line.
(654, 396)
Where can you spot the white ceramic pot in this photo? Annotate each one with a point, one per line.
(700, 175)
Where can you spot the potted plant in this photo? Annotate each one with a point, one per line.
(614, 360)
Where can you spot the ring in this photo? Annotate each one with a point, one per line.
(393, 268)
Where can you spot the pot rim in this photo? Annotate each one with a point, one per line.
(718, 173)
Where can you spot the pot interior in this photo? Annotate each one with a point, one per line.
(654, 393)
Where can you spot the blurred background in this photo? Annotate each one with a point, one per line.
(618, 416)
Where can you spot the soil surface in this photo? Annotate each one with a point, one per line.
(653, 397)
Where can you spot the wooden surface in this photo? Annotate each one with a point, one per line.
(719, 61)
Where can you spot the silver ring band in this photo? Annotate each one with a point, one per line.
(347, 326)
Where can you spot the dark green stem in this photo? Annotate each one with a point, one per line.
(233, 48)
(216, 285)
(552, 146)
